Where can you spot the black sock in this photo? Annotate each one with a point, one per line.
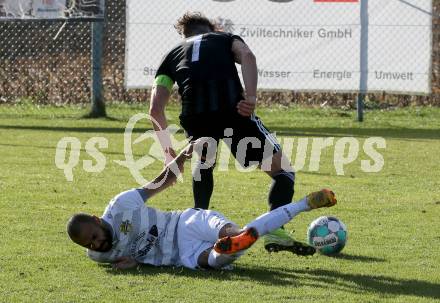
(281, 191)
(202, 190)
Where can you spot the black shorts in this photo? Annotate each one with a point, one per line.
(249, 140)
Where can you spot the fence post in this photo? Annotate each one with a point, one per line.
(363, 82)
(360, 107)
(98, 106)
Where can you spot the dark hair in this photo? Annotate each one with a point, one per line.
(74, 224)
(192, 23)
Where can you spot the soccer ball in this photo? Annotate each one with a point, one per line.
(327, 234)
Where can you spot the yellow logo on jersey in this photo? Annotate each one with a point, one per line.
(125, 227)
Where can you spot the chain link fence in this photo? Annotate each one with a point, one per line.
(49, 62)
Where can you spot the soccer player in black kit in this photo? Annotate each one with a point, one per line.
(215, 105)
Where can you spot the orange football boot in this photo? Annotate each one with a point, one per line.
(323, 198)
(229, 245)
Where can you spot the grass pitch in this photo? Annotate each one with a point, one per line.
(392, 254)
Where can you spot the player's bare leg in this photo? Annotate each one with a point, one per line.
(231, 236)
(233, 241)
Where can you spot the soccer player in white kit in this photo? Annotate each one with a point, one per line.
(130, 232)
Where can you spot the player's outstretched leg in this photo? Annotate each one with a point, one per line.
(273, 220)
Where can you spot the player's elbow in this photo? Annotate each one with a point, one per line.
(156, 110)
(248, 56)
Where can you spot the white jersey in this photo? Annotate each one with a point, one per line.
(143, 233)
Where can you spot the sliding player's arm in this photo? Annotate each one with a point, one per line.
(169, 174)
(159, 98)
(124, 263)
(244, 56)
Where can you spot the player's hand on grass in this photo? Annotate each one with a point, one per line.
(247, 107)
(125, 263)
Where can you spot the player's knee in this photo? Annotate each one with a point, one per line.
(203, 185)
(230, 230)
(285, 177)
(205, 165)
(202, 171)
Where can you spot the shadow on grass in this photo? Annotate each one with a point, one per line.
(52, 148)
(316, 278)
(109, 130)
(396, 133)
(303, 171)
(357, 258)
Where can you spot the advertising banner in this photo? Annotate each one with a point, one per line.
(51, 9)
(302, 45)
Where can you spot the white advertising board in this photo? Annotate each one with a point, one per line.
(51, 9)
(303, 45)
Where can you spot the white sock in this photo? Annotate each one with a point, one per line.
(216, 260)
(276, 218)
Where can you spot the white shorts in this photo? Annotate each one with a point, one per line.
(197, 231)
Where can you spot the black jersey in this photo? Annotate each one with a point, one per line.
(204, 68)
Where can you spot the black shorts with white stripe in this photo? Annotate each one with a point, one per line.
(248, 139)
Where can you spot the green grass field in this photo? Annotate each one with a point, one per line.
(392, 255)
